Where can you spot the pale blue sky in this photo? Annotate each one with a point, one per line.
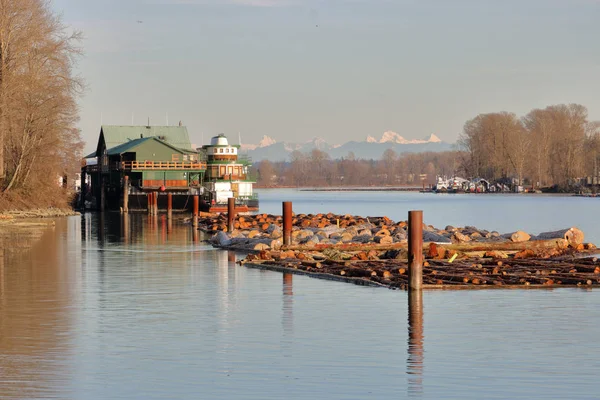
(264, 67)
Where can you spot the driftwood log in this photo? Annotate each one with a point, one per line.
(573, 236)
(469, 246)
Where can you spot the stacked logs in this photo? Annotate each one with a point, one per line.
(438, 274)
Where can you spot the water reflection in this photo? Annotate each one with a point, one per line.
(288, 303)
(415, 343)
(36, 315)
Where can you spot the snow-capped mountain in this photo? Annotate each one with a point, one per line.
(393, 137)
(264, 142)
(372, 148)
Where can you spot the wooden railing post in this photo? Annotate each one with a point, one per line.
(415, 250)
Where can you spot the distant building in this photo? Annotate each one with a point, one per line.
(162, 159)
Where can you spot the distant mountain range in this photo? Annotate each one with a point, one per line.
(371, 148)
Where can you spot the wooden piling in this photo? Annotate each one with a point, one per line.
(415, 250)
(195, 211)
(150, 202)
(82, 190)
(230, 213)
(287, 223)
(169, 205)
(126, 194)
(102, 194)
(155, 197)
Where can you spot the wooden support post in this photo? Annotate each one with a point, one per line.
(126, 194)
(169, 205)
(150, 202)
(415, 250)
(287, 223)
(195, 212)
(82, 190)
(155, 197)
(230, 213)
(102, 193)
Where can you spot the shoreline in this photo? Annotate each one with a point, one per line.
(11, 215)
(420, 190)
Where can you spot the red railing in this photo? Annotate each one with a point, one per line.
(162, 165)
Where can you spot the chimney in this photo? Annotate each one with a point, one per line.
(179, 123)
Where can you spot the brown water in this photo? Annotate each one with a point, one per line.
(105, 307)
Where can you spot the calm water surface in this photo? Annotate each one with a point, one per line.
(109, 308)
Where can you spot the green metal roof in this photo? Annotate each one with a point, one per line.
(115, 135)
(132, 144)
(126, 147)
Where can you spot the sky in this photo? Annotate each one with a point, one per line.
(335, 69)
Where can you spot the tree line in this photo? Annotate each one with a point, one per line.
(552, 147)
(317, 169)
(38, 112)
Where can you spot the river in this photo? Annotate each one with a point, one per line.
(112, 307)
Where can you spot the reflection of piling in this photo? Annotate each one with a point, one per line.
(415, 250)
(288, 289)
(169, 205)
(287, 223)
(231, 256)
(126, 194)
(415, 341)
(126, 228)
(195, 211)
(230, 213)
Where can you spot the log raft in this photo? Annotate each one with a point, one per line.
(373, 251)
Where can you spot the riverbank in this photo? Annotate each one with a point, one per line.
(37, 213)
(21, 229)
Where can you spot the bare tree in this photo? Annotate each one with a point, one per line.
(38, 93)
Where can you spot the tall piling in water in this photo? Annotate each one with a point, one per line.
(287, 223)
(150, 202)
(415, 250)
(155, 203)
(195, 211)
(230, 213)
(169, 205)
(126, 194)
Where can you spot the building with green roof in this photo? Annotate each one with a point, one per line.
(147, 159)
